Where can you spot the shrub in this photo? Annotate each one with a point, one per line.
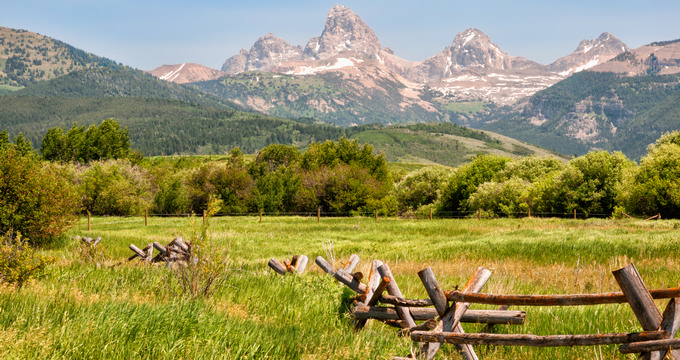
(419, 188)
(116, 187)
(36, 199)
(18, 261)
(464, 182)
(653, 188)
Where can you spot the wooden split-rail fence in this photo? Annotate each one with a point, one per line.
(451, 308)
(176, 250)
(296, 265)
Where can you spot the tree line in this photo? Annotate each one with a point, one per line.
(342, 177)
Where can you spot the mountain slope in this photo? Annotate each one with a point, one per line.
(119, 82)
(596, 110)
(27, 58)
(185, 73)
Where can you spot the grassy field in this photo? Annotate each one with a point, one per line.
(123, 310)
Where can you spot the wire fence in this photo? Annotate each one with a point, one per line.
(480, 215)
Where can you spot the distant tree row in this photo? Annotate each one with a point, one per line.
(40, 198)
(103, 142)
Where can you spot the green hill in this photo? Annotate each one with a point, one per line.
(27, 58)
(159, 126)
(119, 82)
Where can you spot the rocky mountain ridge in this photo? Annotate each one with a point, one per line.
(471, 68)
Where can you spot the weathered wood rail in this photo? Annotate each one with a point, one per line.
(444, 312)
(296, 265)
(176, 250)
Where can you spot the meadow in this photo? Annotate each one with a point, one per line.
(119, 309)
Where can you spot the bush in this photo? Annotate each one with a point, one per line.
(36, 199)
(116, 187)
(654, 187)
(419, 188)
(18, 261)
(464, 182)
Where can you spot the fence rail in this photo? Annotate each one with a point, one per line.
(443, 319)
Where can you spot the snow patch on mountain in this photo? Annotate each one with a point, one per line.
(308, 70)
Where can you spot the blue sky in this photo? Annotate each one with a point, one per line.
(146, 34)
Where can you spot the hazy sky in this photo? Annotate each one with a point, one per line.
(148, 33)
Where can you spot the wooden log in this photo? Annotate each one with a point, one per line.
(451, 319)
(649, 346)
(393, 300)
(441, 304)
(554, 300)
(509, 317)
(301, 264)
(641, 302)
(373, 300)
(277, 266)
(324, 265)
(434, 291)
(638, 297)
(137, 251)
(671, 323)
(393, 289)
(351, 263)
(350, 281)
(537, 340)
(160, 248)
(288, 266)
(149, 252)
(374, 279)
(182, 245)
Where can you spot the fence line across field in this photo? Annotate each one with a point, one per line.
(145, 218)
(442, 324)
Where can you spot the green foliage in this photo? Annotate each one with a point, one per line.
(419, 188)
(22, 145)
(172, 196)
(345, 175)
(36, 199)
(115, 187)
(18, 261)
(204, 271)
(654, 187)
(90, 252)
(103, 142)
(464, 182)
(589, 183)
(507, 198)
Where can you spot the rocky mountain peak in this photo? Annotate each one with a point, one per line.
(471, 51)
(267, 52)
(343, 32)
(589, 53)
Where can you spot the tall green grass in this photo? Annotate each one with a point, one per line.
(121, 310)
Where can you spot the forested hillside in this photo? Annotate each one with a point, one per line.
(595, 110)
(27, 58)
(120, 82)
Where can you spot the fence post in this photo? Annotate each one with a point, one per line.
(640, 301)
(430, 213)
(88, 221)
(146, 217)
(574, 214)
(376, 215)
(318, 214)
(204, 212)
(260, 215)
(479, 214)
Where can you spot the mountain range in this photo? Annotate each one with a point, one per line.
(472, 67)
(603, 95)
